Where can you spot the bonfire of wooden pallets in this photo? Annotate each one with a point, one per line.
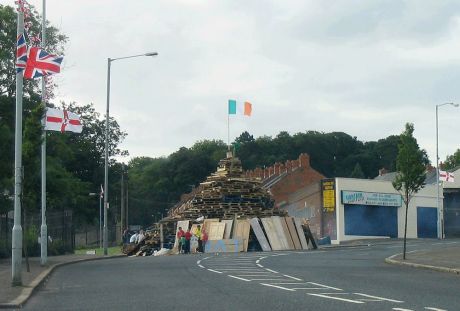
(225, 194)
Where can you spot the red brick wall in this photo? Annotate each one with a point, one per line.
(299, 177)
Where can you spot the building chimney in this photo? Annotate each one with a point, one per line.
(276, 169)
(304, 160)
(288, 166)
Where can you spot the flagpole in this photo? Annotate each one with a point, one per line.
(44, 228)
(16, 244)
(228, 131)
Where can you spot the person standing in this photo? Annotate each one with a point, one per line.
(198, 235)
(188, 236)
(126, 236)
(180, 234)
(204, 239)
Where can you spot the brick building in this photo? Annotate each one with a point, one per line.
(283, 179)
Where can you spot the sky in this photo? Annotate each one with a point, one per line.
(360, 67)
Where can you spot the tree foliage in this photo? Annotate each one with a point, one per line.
(411, 170)
(75, 162)
(452, 161)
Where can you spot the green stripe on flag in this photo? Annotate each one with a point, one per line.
(231, 106)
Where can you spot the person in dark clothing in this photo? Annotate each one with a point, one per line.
(188, 236)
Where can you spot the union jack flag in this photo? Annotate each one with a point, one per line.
(21, 53)
(40, 63)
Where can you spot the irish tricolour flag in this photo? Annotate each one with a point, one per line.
(241, 108)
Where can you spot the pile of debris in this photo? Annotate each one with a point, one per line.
(239, 215)
(227, 193)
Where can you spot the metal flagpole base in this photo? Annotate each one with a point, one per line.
(44, 244)
(16, 256)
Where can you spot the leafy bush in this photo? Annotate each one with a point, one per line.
(58, 247)
(31, 241)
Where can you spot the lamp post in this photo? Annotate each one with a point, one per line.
(106, 166)
(440, 209)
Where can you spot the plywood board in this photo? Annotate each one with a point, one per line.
(206, 223)
(293, 232)
(216, 231)
(224, 246)
(184, 225)
(287, 234)
(271, 233)
(298, 226)
(280, 232)
(228, 228)
(242, 232)
(255, 225)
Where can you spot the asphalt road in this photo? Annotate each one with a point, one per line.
(354, 278)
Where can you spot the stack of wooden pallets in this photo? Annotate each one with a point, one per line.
(225, 194)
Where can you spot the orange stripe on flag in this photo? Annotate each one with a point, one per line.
(247, 108)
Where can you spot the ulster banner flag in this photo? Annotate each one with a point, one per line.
(62, 121)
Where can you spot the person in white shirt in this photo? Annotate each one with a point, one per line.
(140, 237)
(133, 238)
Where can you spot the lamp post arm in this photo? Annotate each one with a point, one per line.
(132, 56)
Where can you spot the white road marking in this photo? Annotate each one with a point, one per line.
(291, 277)
(271, 270)
(280, 287)
(259, 265)
(257, 261)
(240, 269)
(200, 266)
(378, 298)
(401, 309)
(251, 275)
(308, 288)
(325, 295)
(289, 283)
(325, 286)
(435, 309)
(213, 271)
(265, 279)
(198, 262)
(236, 277)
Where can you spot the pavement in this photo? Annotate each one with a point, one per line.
(447, 260)
(16, 296)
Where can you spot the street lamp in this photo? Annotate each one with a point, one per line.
(440, 210)
(106, 166)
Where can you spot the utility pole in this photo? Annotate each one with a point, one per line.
(123, 213)
(16, 244)
(43, 228)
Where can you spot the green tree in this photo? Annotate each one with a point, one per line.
(410, 165)
(452, 161)
(357, 172)
(54, 44)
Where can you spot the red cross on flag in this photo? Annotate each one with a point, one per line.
(446, 176)
(62, 121)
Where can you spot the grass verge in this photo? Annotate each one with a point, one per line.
(115, 250)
